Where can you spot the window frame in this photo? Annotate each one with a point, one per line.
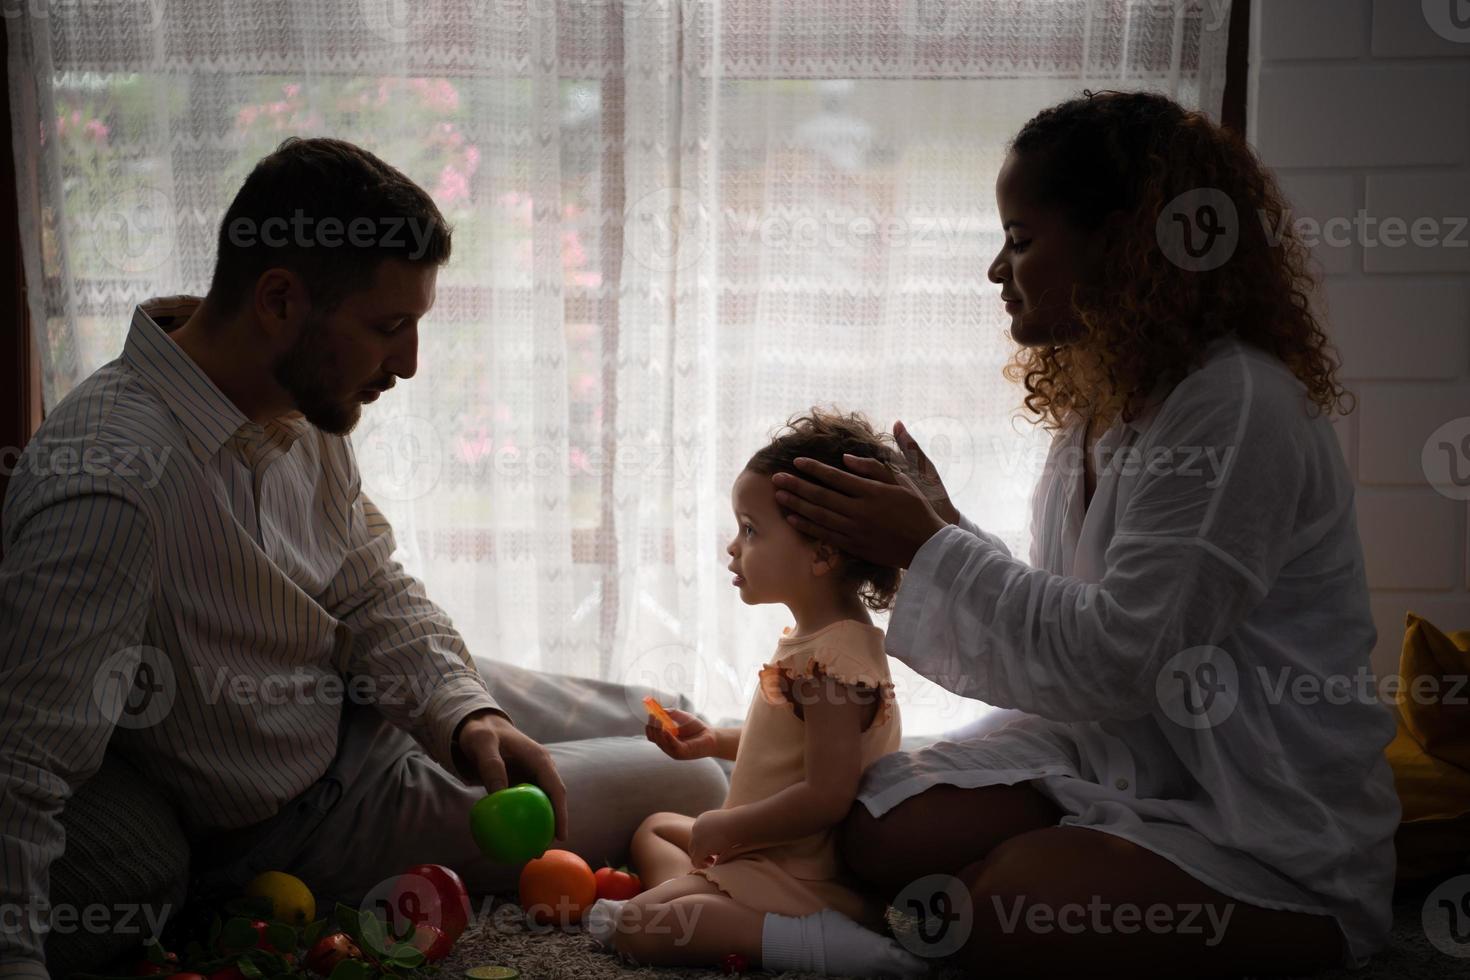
(20, 366)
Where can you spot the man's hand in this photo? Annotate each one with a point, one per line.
(496, 750)
(870, 511)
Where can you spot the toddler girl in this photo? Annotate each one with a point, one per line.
(761, 876)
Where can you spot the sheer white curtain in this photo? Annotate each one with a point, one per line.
(677, 224)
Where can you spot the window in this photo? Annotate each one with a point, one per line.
(818, 173)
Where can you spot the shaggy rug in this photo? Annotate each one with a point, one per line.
(501, 937)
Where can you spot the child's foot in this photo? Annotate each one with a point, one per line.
(601, 920)
(829, 942)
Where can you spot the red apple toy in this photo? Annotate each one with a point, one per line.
(430, 894)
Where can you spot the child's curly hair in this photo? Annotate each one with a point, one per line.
(825, 435)
(1147, 319)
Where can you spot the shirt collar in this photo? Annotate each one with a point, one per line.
(208, 416)
(1155, 401)
(1150, 408)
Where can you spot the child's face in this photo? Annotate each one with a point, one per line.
(772, 561)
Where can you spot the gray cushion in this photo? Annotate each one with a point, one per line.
(552, 707)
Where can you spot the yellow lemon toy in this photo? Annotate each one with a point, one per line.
(288, 894)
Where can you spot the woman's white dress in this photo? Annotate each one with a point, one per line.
(1192, 655)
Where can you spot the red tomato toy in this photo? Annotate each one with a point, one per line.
(617, 884)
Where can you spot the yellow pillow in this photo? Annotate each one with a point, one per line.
(1430, 755)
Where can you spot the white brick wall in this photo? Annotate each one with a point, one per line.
(1365, 105)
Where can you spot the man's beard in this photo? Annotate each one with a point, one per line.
(306, 371)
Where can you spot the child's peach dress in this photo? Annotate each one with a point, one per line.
(798, 877)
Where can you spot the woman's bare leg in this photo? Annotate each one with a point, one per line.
(938, 831)
(688, 922)
(660, 848)
(1069, 900)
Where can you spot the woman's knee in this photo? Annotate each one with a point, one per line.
(859, 837)
(864, 838)
(1002, 888)
(881, 850)
(1064, 899)
(939, 830)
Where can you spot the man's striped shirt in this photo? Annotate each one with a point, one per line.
(201, 593)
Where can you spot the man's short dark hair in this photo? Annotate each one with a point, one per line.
(330, 212)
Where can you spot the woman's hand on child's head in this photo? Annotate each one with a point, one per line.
(710, 837)
(926, 474)
(695, 739)
(867, 510)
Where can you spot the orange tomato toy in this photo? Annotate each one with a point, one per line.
(557, 887)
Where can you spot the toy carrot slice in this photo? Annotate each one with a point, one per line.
(657, 710)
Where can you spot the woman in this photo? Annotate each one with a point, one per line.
(1173, 798)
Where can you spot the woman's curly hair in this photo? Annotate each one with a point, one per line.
(825, 435)
(1145, 319)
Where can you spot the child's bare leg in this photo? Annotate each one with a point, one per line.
(688, 922)
(660, 848)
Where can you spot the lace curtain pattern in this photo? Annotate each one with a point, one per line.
(677, 223)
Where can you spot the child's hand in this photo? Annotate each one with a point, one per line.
(695, 739)
(710, 837)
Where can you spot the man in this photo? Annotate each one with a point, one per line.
(194, 581)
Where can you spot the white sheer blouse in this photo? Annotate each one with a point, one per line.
(1189, 653)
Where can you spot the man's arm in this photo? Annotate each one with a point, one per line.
(424, 680)
(75, 588)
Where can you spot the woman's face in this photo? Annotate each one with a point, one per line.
(1040, 260)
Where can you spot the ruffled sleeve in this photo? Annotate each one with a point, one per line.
(828, 659)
